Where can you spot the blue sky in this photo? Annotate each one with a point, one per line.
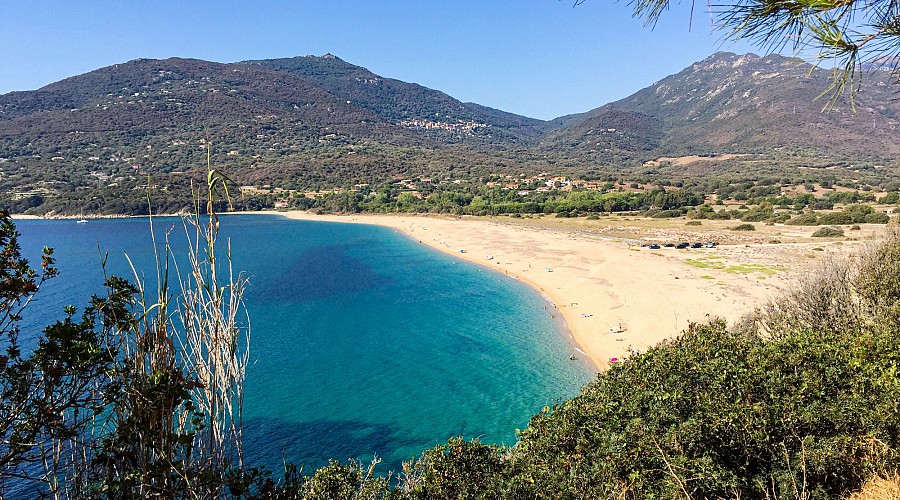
(539, 58)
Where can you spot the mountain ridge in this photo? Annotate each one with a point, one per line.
(730, 102)
(397, 101)
(312, 123)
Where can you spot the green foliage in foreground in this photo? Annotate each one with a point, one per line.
(717, 414)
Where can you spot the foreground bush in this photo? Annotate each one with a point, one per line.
(716, 414)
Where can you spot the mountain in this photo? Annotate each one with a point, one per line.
(431, 112)
(306, 121)
(319, 123)
(161, 111)
(268, 123)
(732, 103)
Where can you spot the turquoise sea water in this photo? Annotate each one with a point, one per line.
(364, 342)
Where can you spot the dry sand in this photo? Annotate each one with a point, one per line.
(614, 294)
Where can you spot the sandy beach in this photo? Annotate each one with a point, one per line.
(615, 295)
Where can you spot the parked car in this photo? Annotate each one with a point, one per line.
(696, 244)
(683, 244)
(669, 245)
(709, 244)
(654, 246)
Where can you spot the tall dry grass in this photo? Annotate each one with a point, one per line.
(173, 427)
(879, 488)
(216, 343)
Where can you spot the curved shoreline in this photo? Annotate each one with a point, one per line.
(614, 297)
(397, 222)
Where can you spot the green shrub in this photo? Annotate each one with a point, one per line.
(458, 469)
(876, 218)
(828, 232)
(720, 215)
(743, 227)
(807, 219)
(758, 215)
(890, 199)
(836, 218)
(666, 214)
(782, 218)
(337, 481)
(714, 414)
(693, 223)
(858, 213)
(701, 212)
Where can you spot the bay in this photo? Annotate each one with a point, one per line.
(364, 342)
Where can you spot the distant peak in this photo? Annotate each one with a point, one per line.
(328, 55)
(726, 60)
(745, 59)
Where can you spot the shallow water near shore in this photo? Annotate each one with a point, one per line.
(364, 342)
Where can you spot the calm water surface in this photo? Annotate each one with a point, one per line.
(364, 342)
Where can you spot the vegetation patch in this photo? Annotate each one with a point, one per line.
(828, 232)
(711, 262)
(716, 262)
(753, 268)
(807, 219)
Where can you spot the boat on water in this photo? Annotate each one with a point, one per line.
(81, 221)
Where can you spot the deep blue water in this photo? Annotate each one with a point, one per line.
(364, 342)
